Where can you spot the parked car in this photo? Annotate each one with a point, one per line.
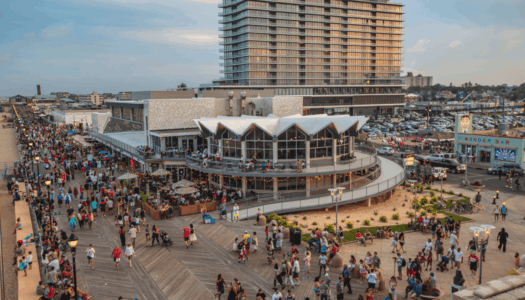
(515, 168)
(451, 165)
(439, 157)
(437, 175)
(386, 151)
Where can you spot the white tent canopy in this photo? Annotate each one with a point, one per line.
(160, 172)
(183, 183)
(127, 176)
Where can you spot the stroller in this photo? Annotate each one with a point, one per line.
(166, 240)
(443, 264)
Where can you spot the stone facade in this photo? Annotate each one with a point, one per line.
(179, 113)
(283, 106)
(505, 288)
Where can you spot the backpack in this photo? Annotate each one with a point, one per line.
(249, 240)
(403, 262)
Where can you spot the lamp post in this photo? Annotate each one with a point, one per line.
(497, 194)
(337, 194)
(441, 173)
(73, 241)
(38, 170)
(483, 244)
(412, 183)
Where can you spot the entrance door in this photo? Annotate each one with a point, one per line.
(484, 156)
(187, 144)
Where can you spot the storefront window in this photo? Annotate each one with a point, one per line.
(259, 143)
(156, 143)
(232, 182)
(291, 184)
(292, 144)
(172, 142)
(259, 184)
(321, 145)
(343, 144)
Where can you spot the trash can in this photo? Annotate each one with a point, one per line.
(295, 236)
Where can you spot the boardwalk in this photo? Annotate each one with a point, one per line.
(175, 272)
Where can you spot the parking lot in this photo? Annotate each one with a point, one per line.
(408, 124)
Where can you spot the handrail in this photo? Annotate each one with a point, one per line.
(350, 196)
(233, 168)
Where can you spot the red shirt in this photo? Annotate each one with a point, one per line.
(116, 253)
(473, 258)
(186, 232)
(334, 250)
(358, 235)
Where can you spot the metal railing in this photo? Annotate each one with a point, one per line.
(233, 167)
(348, 197)
(113, 143)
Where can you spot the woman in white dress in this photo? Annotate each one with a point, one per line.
(193, 237)
(129, 253)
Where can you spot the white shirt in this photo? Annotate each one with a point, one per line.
(322, 259)
(90, 252)
(458, 255)
(55, 264)
(296, 266)
(453, 239)
(371, 277)
(129, 251)
(133, 233)
(429, 246)
(277, 296)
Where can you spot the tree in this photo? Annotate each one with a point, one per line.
(182, 87)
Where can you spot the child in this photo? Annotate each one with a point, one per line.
(242, 253)
(269, 254)
(30, 260)
(429, 261)
(409, 266)
(22, 266)
(266, 231)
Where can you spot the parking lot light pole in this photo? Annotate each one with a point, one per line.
(337, 194)
(412, 183)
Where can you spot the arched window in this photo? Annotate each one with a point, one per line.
(321, 144)
(259, 143)
(231, 147)
(292, 144)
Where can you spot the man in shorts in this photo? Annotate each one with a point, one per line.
(116, 255)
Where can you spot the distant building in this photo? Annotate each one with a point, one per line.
(124, 96)
(168, 94)
(94, 98)
(76, 116)
(44, 99)
(419, 80)
(447, 95)
(61, 94)
(19, 99)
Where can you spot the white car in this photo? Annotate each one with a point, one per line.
(386, 151)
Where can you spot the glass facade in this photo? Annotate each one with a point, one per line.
(291, 144)
(172, 142)
(343, 143)
(259, 144)
(321, 144)
(231, 146)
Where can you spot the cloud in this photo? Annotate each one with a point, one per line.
(511, 39)
(208, 38)
(56, 31)
(454, 44)
(419, 46)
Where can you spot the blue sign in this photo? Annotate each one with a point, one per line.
(505, 154)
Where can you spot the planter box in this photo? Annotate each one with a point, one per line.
(185, 210)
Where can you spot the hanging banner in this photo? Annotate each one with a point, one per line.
(132, 162)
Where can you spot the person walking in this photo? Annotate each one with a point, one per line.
(122, 235)
(392, 290)
(346, 278)
(91, 254)
(193, 236)
(147, 233)
(186, 235)
(155, 233)
(133, 234)
(502, 238)
(116, 256)
(129, 253)
(503, 213)
(220, 286)
(496, 213)
(474, 263)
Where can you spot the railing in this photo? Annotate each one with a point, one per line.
(123, 147)
(279, 168)
(350, 196)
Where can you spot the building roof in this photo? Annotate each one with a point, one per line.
(274, 125)
(45, 97)
(412, 95)
(67, 100)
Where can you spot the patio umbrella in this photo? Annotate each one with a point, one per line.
(109, 155)
(183, 183)
(71, 132)
(160, 172)
(103, 152)
(186, 190)
(127, 176)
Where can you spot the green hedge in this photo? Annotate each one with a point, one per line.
(350, 234)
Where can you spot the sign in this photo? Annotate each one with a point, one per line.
(463, 123)
(409, 161)
(505, 154)
(132, 162)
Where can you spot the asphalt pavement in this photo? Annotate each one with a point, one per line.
(491, 182)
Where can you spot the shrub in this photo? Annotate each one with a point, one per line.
(423, 214)
(433, 200)
(428, 188)
(349, 225)
(382, 219)
(411, 215)
(432, 194)
(329, 228)
(394, 209)
(434, 214)
(304, 218)
(366, 222)
(423, 201)
(314, 223)
(450, 192)
(328, 217)
(143, 197)
(396, 216)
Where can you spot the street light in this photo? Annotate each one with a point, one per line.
(337, 194)
(412, 183)
(73, 241)
(483, 244)
(38, 170)
(441, 173)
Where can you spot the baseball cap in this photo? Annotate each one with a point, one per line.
(326, 275)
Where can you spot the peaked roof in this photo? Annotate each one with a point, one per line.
(274, 125)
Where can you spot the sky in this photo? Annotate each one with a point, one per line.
(81, 46)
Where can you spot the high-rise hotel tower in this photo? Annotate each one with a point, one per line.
(344, 57)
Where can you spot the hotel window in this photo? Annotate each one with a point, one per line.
(259, 143)
(292, 144)
(231, 147)
(321, 145)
